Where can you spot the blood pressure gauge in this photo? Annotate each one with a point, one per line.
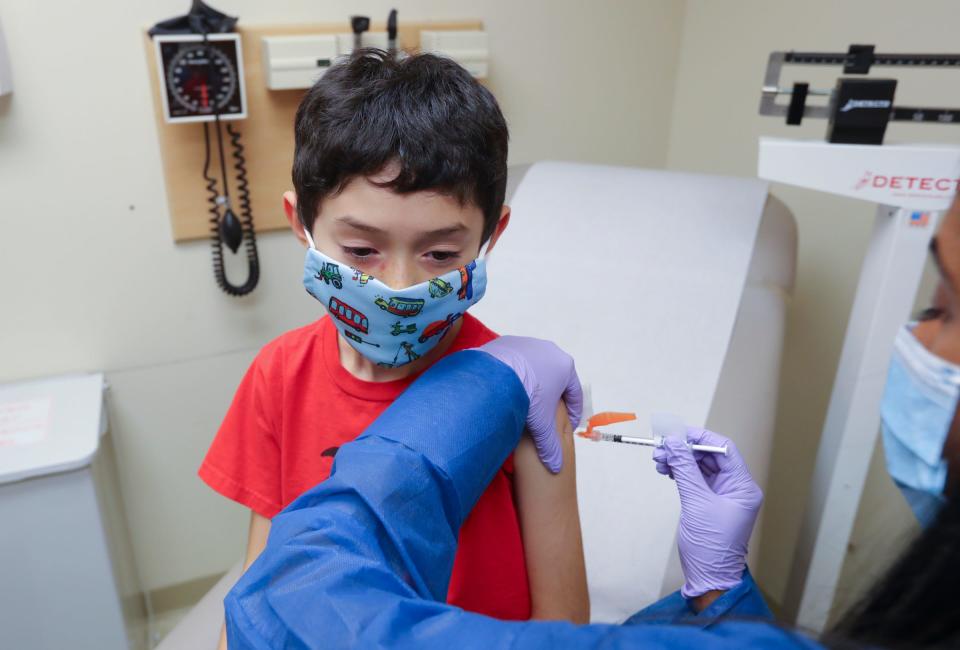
(201, 78)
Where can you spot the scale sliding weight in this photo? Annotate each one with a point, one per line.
(858, 107)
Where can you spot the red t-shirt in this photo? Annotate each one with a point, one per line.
(296, 405)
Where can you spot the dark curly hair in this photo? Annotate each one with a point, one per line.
(423, 112)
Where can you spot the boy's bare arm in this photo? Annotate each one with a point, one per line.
(256, 541)
(256, 538)
(550, 524)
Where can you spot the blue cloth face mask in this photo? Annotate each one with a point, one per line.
(391, 327)
(916, 413)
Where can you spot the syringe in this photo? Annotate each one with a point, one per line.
(656, 441)
(661, 423)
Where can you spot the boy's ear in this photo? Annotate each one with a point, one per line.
(501, 226)
(290, 209)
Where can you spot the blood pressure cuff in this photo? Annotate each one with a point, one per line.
(201, 19)
(363, 559)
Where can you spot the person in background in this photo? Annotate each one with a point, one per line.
(915, 604)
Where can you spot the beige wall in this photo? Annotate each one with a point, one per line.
(91, 280)
(715, 128)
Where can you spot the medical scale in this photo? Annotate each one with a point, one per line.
(912, 185)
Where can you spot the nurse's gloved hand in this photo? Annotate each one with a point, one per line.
(719, 502)
(547, 374)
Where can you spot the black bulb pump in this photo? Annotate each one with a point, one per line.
(230, 230)
(226, 228)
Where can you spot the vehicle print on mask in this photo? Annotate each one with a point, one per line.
(439, 328)
(348, 315)
(407, 349)
(330, 273)
(466, 281)
(360, 277)
(398, 328)
(439, 288)
(404, 307)
(351, 335)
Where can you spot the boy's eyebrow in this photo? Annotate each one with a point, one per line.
(347, 220)
(352, 222)
(444, 232)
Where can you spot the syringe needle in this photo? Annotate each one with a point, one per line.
(601, 436)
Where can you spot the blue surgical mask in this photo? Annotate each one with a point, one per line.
(391, 327)
(916, 413)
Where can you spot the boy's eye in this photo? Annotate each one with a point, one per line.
(443, 256)
(359, 253)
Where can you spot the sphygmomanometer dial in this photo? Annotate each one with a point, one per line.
(201, 78)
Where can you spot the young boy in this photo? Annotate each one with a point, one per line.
(400, 175)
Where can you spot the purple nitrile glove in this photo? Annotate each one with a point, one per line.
(547, 374)
(719, 502)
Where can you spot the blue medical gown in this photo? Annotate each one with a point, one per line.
(363, 559)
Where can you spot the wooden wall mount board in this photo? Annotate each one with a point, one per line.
(267, 133)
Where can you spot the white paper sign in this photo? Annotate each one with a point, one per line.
(25, 422)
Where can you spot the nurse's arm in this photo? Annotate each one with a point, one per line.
(360, 563)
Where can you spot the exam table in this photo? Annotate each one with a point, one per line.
(670, 290)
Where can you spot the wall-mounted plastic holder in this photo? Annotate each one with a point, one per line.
(297, 61)
(466, 47)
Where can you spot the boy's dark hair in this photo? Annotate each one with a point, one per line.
(424, 112)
